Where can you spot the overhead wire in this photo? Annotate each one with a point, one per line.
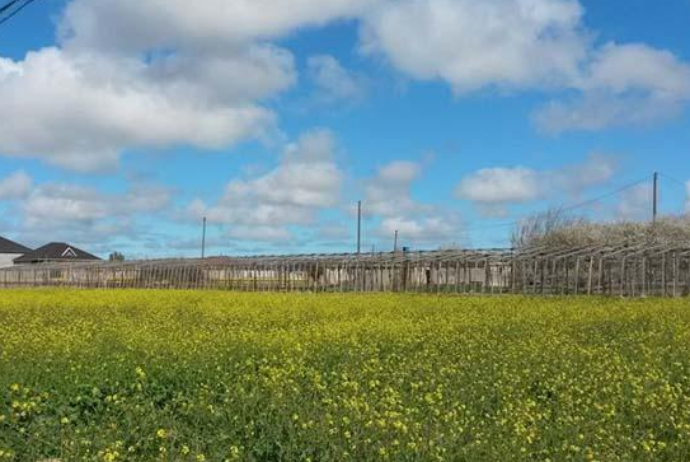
(8, 7)
(604, 196)
(682, 184)
(569, 208)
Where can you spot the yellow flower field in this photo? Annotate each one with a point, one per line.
(211, 376)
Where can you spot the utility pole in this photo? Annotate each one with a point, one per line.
(203, 241)
(395, 242)
(655, 205)
(359, 227)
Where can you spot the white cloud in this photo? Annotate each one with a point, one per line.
(200, 75)
(595, 112)
(245, 75)
(64, 203)
(596, 170)
(334, 83)
(52, 206)
(306, 180)
(422, 230)
(624, 85)
(389, 193)
(530, 44)
(87, 216)
(81, 111)
(624, 68)
(388, 197)
(400, 172)
(307, 176)
(472, 45)
(16, 186)
(127, 74)
(141, 197)
(494, 188)
(164, 24)
(177, 76)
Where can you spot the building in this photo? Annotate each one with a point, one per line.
(10, 250)
(55, 252)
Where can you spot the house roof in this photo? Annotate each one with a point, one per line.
(56, 251)
(7, 246)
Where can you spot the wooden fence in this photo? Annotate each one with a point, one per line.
(630, 270)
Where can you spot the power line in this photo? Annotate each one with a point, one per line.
(604, 196)
(569, 208)
(8, 6)
(655, 196)
(673, 180)
(18, 6)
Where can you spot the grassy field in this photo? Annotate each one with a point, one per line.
(192, 376)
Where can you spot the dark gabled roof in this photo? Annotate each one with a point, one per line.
(56, 251)
(7, 246)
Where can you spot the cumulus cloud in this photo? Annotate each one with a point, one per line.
(389, 193)
(81, 111)
(333, 82)
(494, 188)
(530, 44)
(159, 24)
(400, 172)
(388, 198)
(624, 85)
(306, 180)
(16, 186)
(472, 45)
(85, 215)
(55, 205)
(597, 169)
(425, 229)
(200, 75)
(179, 76)
(595, 112)
(621, 68)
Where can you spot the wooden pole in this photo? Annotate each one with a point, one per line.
(655, 202)
(203, 240)
(359, 227)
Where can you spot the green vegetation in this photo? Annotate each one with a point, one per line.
(206, 376)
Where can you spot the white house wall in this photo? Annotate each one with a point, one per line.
(6, 259)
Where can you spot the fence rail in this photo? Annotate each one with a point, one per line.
(630, 270)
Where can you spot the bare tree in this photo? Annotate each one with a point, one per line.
(539, 228)
(556, 228)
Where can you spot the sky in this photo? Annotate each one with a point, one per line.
(126, 122)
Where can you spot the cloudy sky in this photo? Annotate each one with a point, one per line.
(124, 122)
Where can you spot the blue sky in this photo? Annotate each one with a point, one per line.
(126, 122)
